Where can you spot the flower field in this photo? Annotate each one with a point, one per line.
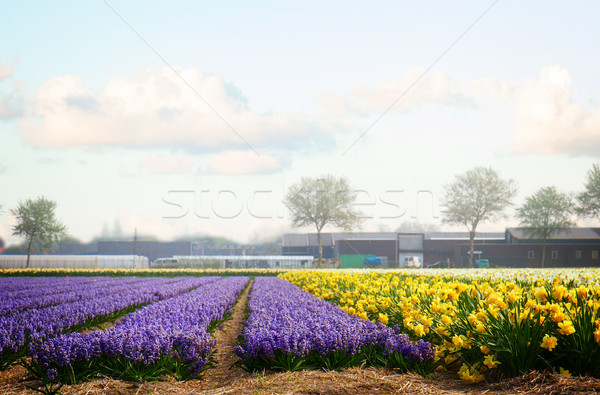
(59, 305)
(167, 337)
(511, 320)
(477, 323)
(289, 329)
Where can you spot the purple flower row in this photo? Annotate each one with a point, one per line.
(51, 294)
(24, 287)
(175, 328)
(286, 320)
(38, 324)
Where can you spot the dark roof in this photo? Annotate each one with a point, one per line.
(569, 234)
(294, 240)
(305, 239)
(464, 236)
(364, 235)
(329, 239)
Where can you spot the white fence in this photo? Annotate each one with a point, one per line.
(74, 261)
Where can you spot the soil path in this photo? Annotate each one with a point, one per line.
(224, 373)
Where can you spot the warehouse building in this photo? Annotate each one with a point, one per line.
(576, 247)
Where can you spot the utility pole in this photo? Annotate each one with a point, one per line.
(134, 241)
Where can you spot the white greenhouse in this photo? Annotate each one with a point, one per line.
(237, 261)
(74, 261)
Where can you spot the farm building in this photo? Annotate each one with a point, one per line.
(441, 246)
(353, 248)
(577, 247)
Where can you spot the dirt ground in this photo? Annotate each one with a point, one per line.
(350, 381)
(225, 379)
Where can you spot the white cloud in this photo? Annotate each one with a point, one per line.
(167, 164)
(408, 91)
(155, 108)
(244, 162)
(6, 71)
(545, 118)
(547, 121)
(11, 103)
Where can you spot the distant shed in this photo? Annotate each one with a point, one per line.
(354, 251)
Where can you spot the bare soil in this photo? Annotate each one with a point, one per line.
(225, 378)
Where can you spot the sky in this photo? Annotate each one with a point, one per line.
(188, 118)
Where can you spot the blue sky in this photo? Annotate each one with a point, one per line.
(264, 93)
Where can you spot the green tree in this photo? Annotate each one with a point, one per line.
(322, 201)
(546, 213)
(588, 201)
(36, 221)
(474, 197)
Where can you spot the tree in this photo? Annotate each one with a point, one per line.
(36, 221)
(322, 201)
(546, 213)
(474, 197)
(589, 200)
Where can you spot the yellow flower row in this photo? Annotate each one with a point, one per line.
(489, 319)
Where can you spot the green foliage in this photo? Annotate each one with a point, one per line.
(48, 387)
(369, 355)
(580, 352)
(546, 213)
(589, 200)
(36, 221)
(117, 367)
(514, 336)
(322, 201)
(511, 332)
(476, 196)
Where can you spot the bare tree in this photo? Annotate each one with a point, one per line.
(474, 197)
(320, 202)
(546, 213)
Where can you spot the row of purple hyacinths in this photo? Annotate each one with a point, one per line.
(62, 290)
(18, 287)
(169, 334)
(35, 325)
(285, 322)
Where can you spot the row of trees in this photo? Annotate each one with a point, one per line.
(480, 195)
(474, 197)
(477, 196)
